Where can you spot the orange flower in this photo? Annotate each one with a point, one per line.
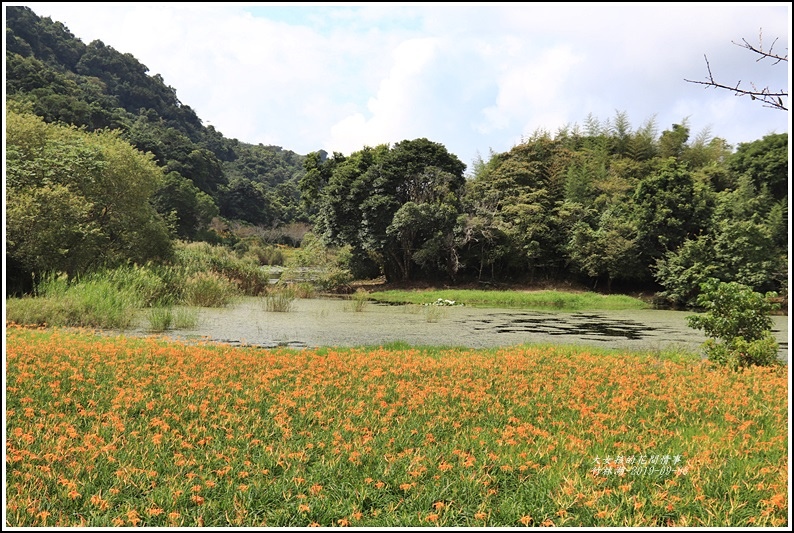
(198, 500)
(432, 517)
(481, 516)
(97, 500)
(778, 500)
(405, 486)
(526, 520)
(343, 522)
(133, 518)
(438, 506)
(303, 508)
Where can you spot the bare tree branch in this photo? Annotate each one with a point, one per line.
(768, 98)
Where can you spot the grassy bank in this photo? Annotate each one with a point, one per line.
(115, 431)
(537, 300)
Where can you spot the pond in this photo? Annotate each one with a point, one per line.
(334, 322)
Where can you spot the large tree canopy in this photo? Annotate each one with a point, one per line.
(372, 198)
(76, 200)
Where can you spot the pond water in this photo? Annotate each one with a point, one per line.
(334, 322)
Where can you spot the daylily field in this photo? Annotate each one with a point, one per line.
(121, 431)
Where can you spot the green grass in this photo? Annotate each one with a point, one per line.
(561, 300)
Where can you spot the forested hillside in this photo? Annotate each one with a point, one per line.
(61, 79)
(608, 204)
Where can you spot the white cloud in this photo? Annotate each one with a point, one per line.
(392, 112)
(473, 77)
(526, 89)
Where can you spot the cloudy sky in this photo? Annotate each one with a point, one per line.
(474, 77)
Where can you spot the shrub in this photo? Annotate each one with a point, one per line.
(244, 272)
(737, 318)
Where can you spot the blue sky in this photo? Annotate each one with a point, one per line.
(474, 77)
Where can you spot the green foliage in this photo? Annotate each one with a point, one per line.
(160, 318)
(241, 272)
(737, 319)
(603, 200)
(188, 208)
(365, 191)
(324, 267)
(743, 242)
(93, 301)
(668, 208)
(682, 272)
(209, 289)
(78, 201)
(95, 86)
(765, 161)
(610, 250)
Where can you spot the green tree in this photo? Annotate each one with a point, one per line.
(78, 201)
(765, 161)
(251, 202)
(608, 251)
(189, 209)
(738, 322)
(668, 208)
(365, 191)
(672, 143)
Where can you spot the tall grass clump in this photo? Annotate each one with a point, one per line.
(93, 300)
(160, 318)
(359, 300)
(434, 313)
(209, 289)
(144, 281)
(168, 317)
(280, 299)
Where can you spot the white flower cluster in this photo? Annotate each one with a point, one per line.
(443, 302)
